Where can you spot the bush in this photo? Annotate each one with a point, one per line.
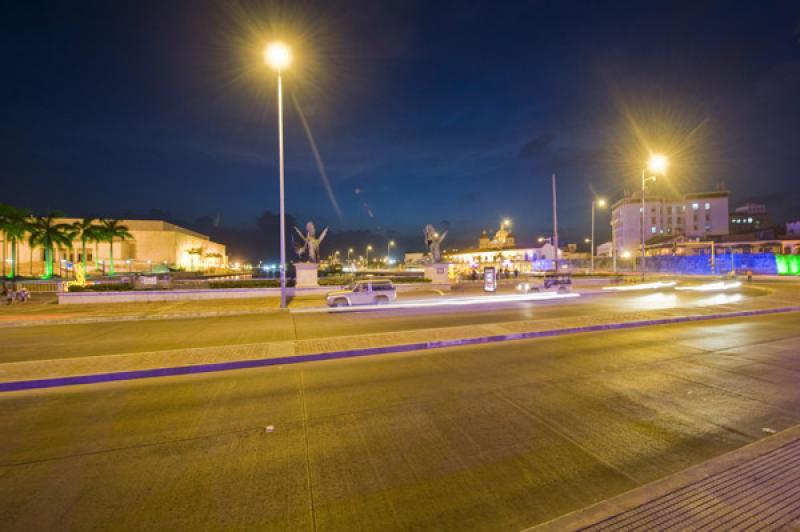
(407, 279)
(101, 287)
(257, 283)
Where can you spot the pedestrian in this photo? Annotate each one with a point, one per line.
(749, 276)
(9, 289)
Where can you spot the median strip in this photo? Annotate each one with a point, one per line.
(56, 382)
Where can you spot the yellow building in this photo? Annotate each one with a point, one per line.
(155, 245)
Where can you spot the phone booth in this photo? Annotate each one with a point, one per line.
(489, 279)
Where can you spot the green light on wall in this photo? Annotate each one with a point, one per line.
(788, 264)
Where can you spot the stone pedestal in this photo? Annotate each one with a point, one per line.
(306, 275)
(437, 272)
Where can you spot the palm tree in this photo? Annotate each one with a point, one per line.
(45, 232)
(14, 224)
(110, 230)
(194, 252)
(88, 232)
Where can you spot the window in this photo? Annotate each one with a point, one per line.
(669, 210)
(653, 220)
(653, 230)
(708, 217)
(695, 227)
(749, 220)
(708, 206)
(695, 206)
(652, 209)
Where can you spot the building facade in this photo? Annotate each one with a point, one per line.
(154, 246)
(750, 218)
(697, 216)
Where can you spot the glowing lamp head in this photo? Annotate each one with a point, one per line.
(587, 240)
(277, 55)
(657, 163)
(391, 242)
(506, 222)
(600, 202)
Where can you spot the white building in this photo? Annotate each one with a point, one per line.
(698, 215)
(604, 249)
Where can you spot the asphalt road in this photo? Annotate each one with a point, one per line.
(496, 437)
(78, 340)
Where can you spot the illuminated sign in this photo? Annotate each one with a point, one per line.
(489, 279)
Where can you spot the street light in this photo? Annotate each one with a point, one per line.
(278, 56)
(389, 246)
(656, 164)
(597, 202)
(369, 248)
(506, 222)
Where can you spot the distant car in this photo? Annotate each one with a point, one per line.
(367, 292)
(562, 280)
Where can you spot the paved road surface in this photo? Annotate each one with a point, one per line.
(76, 340)
(494, 437)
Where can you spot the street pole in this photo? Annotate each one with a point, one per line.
(555, 225)
(283, 220)
(367, 257)
(592, 250)
(642, 226)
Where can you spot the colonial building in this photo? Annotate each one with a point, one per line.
(697, 215)
(501, 252)
(155, 245)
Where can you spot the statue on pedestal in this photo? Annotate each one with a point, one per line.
(311, 242)
(433, 241)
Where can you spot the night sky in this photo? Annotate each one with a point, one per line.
(452, 113)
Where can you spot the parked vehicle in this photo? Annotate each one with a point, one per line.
(366, 292)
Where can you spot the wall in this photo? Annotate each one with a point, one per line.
(758, 263)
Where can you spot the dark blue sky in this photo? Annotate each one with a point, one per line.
(422, 111)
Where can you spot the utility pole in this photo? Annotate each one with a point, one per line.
(555, 225)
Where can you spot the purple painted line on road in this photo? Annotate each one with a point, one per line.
(368, 351)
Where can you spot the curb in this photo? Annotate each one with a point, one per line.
(58, 382)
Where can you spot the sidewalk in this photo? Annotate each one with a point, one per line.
(755, 487)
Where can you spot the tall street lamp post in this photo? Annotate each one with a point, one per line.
(389, 247)
(278, 56)
(599, 202)
(369, 248)
(656, 164)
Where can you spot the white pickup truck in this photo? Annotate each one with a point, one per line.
(366, 292)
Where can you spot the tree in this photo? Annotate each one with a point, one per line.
(45, 232)
(88, 232)
(14, 224)
(111, 229)
(195, 252)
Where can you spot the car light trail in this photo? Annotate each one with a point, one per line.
(641, 286)
(710, 287)
(459, 301)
